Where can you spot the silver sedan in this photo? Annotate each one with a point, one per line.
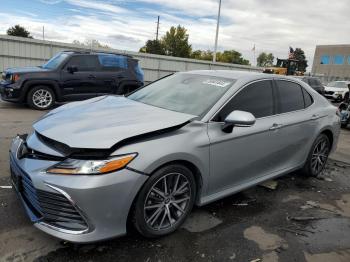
(188, 139)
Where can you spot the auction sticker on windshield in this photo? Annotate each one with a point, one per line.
(216, 82)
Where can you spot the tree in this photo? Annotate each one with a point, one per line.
(231, 56)
(299, 54)
(265, 59)
(90, 43)
(176, 43)
(202, 55)
(227, 56)
(18, 30)
(153, 47)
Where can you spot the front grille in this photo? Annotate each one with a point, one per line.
(52, 208)
(329, 92)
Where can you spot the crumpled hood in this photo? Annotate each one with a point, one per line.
(25, 70)
(101, 122)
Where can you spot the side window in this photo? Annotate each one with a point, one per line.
(256, 98)
(307, 98)
(84, 62)
(312, 82)
(318, 82)
(110, 62)
(290, 96)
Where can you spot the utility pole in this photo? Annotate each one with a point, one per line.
(217, 33)
(157, 29)
(43, 32)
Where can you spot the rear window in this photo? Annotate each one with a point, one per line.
(113, 62)
(290, 96)
(307, 98)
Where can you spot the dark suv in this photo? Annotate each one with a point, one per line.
(314, 82)
(70, 76)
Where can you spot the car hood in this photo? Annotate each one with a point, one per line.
(102, 122)
(22, 70)
(336, 89)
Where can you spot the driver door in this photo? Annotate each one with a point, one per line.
(246, 153)
(83, 83)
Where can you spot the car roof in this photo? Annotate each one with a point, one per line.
(94, 53)
(242, 76)
(233, 74)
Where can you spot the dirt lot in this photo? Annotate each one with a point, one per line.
(303, 219)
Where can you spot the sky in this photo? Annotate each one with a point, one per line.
(270, 25)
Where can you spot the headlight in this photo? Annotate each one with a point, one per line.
(91, 167)
(338, 93)
(15, 78)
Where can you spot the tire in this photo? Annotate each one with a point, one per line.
(317, 157)
(157, 211)
(41, 98)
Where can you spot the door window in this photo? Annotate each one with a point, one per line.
(307, 98)
(84, 62)
(290, 96)
(112, 62)
(256, 98)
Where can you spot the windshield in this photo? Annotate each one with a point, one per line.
(186, 93)
(338, 84)
(55, 61)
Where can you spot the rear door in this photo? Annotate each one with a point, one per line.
(83, 83)
(114, 70)
(297, 122)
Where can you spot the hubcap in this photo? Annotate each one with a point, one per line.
(319, 156)
(42, 98)
(167, 201)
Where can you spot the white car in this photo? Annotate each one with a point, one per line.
(337, 90)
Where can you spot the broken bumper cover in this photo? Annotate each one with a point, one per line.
(76, 208)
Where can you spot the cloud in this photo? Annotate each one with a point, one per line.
(272, 25)
(127, 39)
(97, 5)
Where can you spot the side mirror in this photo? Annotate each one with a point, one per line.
(72, 69)
(238, 118)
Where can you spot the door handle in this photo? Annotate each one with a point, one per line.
(91, 77)
(315, 116)
(275, 126)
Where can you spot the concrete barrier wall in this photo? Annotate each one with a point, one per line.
(18, 51)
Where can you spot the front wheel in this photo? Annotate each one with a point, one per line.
(41, 98)
(318, 156)
(165, 201)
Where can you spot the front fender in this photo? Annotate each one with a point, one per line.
(51, 83)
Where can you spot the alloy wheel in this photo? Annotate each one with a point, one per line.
(42, 98)
(319, 156)
(167, 201)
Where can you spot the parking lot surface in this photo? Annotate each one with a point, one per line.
(302, 219)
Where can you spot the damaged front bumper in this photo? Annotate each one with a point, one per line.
(77, 208)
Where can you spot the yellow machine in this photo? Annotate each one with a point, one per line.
(285, 67)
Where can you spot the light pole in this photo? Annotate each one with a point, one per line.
(217, 33)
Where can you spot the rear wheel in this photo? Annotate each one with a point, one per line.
(318, 156)
(165, 201)
(41, 98)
